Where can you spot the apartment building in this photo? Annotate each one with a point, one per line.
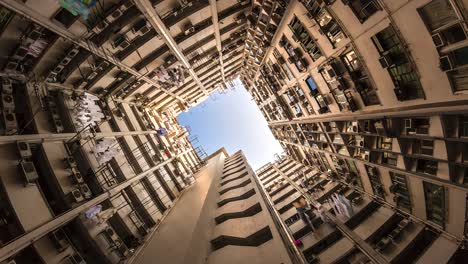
(371, 96)
(89, 170)
(369, 230)
(222, 219)
(367, 96)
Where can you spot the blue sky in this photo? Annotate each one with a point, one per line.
(233, 121)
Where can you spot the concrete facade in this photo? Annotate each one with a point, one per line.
(203, 229)
(370, 93)
(372, 232)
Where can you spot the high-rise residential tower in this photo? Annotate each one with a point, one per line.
(370, 94)
(367, 97)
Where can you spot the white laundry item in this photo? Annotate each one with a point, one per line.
(338, 206)
(91, 96)
(332, 205)
(106, 214)
(343, 208)
(99, 148)
(98, 116)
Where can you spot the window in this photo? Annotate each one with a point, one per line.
(283, 64)
(400, 190)
(306, 41)
(363, 9)
(396, 59)
(384, 143)
(324, 160)
(326, 22)
(419, 126)
(354, 174)
(330, 27)
(427, 166)
(464, 126)
(435, 203)
(375, 181)
(352, 62)
(456, 65)
(390, 158)
(5, 18)
(321, 102)
(437, 14)
(446, 28)
(465, 153)
(426, 147)
(360, 78)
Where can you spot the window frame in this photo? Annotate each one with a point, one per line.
(430, 202)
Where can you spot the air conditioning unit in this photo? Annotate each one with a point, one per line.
(243, 2)
(366, 155)
(7, 87)
(386, 60)
(140, 28)
(110, 233)
(119, 113)
(188, 29)
(76, 195)
(58, 126)
(52, 77)
(359, 142)
(11, 66)
(353, 127)
(120, 43)
(185, 3)
(73, 52)
(58, 69)
(126, 5)
(9, 121)
(114, 16)
(20, 53)
(379, 127)
(76, 177)
(170, 59)
(23, 149)
(70, 161)
(102, 66)
(59, 240)
(438, 40)
(123, 250)
(100, 26)
(28, 172)
(84, 188)
(92, 75)
(65, 61)
(240, 18)
(8, 103)
(446, 63)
